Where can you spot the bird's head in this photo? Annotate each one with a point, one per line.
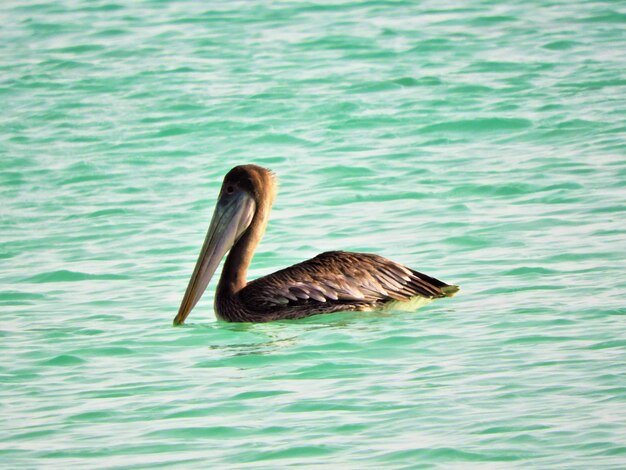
(246, 195)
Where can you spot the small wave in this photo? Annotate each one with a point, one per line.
(479, 125)
(64, 275)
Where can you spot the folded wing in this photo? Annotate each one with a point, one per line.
(338, 277)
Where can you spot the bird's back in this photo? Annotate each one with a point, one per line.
(336, 281)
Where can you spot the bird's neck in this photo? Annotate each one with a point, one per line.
(235, 271)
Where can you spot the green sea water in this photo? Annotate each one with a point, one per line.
(481, 142)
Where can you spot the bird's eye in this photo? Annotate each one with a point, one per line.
(230, 190)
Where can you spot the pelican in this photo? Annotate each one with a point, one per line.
(330, 282)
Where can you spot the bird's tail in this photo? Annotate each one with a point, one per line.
(449, 290)
(432, 287)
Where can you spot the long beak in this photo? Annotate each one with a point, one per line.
(232, 216)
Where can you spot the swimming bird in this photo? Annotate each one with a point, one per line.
(330, 282)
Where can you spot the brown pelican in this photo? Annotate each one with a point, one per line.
(330, 282)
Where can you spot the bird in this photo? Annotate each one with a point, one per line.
(333, 281)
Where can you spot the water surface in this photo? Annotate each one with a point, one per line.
(481, 143)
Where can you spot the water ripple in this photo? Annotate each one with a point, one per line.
(482, 144)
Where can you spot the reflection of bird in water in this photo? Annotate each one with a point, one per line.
(331, 282)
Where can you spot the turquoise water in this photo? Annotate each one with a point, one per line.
(481, 143)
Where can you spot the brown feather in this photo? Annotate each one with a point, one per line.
(334, 281)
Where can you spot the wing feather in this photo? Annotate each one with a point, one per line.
(341, 278)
